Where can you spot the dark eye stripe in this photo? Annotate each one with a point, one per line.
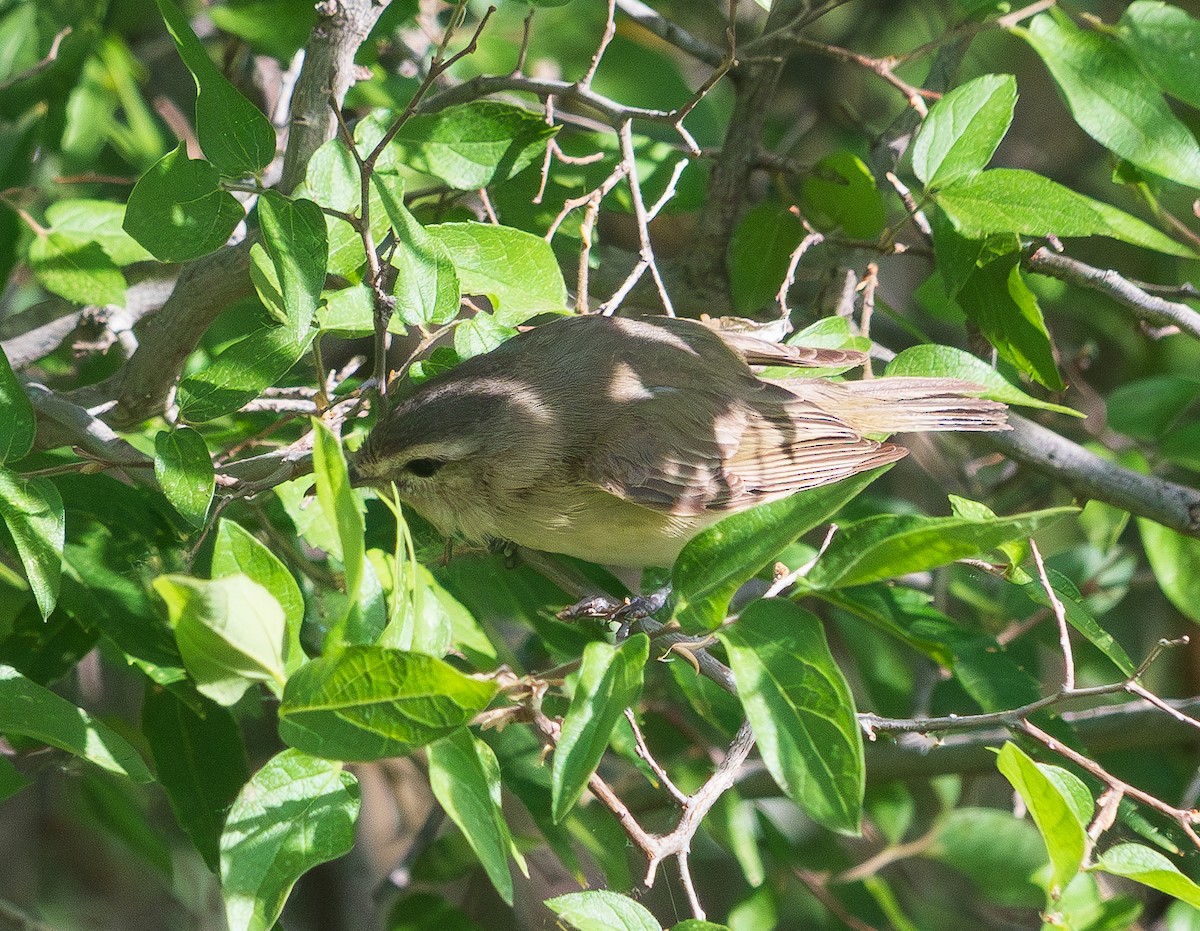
(423, 468)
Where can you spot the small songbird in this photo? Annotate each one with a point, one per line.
(617, 440)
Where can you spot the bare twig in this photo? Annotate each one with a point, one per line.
(670, 32)
(50, 57)
(1186, 819)
(1060, 616)
(643, 751)
(811, 239)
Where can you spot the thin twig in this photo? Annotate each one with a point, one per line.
(1060, 616)
(643, 751)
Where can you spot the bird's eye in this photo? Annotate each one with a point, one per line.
(424, 468)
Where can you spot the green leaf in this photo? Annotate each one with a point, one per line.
(480, 334)
(200, 762)
(1150, 868)
(1010, 200)
(32, 710)
(294, 236)
(717, 562)
(368, 703)
(998, 852)
(97, 221)
(601, 910)
(18, 426)
(801, 710)
(468, 146)
(1112, 100)
(998, 301)
(426, 283)
(889, 545)
(465, 778)
(76, 269)
(184, 471)
(759, 253)
(342, 509)
(515, 270)
(33, 511)
(840, 194)
(1060, 805)
(424, 911)
(1175, 560)
(1147, 408)
(234, 135)
(230, 632)
(178, 211)
(948, 362)
(278, 28)
(12, 780)
(237, 551)
(239, 374)
(610, 681)
(963, 129)
(1163, 38)
(295, 813)
(695, 924)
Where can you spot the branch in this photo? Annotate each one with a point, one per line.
(1089, 476)
(342, 26)
(670, 32)
(1145, 306)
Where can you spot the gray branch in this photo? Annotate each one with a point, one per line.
(1145, 306)
(1089, 476)
(670, 32)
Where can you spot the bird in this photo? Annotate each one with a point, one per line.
(617, 439)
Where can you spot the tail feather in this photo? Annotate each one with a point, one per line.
(904, 405)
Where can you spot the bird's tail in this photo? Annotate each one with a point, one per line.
(904, 405)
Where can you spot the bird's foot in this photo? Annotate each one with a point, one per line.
(625, 613)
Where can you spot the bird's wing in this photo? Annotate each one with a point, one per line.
(730, 455)
(755, 351)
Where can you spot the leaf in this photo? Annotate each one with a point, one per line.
(465, 778)
(963, 129)
(997, 300)
(718, 561)
(468, 146)
(889, 545)
(294, 236)
(18, 426)
(759, 253)
(342, 509)
(184, 471)
(12, 780)
(33, 511)
(998, 852)
(801, 710)
(178, 210)
(424, 911)
(234, 135)
(76, 269)
(1163, 38)
(515, 270)
(239, 374)
(200, 762)
(237, 551)
(1147, 408)
(610, 680)
(230, 633)
(98, 221)
(32, 710)
(1150, 868)
(426, 283)
(840, 194)
(1060, 806)
(1011, 200)
(293, 814)
(368, 703)
(1112, 100)
(601, 910)
(1175, 560)
(948, 362)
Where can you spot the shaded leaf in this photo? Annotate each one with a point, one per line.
(963, 129)
(17, 423)
(33, 511)
(601, 910)
(32, 710)
(1150, 868)
(294, 235)
(76, 269)
(184, 471)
